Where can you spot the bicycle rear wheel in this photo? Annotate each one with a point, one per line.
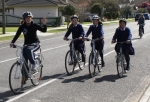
(69, 64)
(16, 78)
(92, 65)
(120, 65)
(36, 77)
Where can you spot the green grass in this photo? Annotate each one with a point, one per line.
(8, 38)
(57, 30)
(10, 29)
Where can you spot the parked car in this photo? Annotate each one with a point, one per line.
(146, 15)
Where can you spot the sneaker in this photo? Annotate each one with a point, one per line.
(128, 68)
(34, 69)
(71, 63)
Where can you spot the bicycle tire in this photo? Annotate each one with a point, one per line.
(120, 67)
(92, 67)
(20, 78)
(69, 67)
(36, 77)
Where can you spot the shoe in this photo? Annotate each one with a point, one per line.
(71, 63)
(34, 69)
(103, 64)
(128, 68)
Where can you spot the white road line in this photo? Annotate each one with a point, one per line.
(42, 51)
(50, 81)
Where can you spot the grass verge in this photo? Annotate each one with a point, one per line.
(5, 38)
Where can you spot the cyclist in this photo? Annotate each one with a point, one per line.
(122, 34)
(31, 40)
(141, 21)
(97, 32)
(77, 32)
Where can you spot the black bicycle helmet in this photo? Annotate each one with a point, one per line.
(123, 20)
(95, 17)
(74, 16)
(27, 14)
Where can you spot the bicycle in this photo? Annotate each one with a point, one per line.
(94, 59)
(73, 57)
(141, 30)
(20, 71)
(120, 61)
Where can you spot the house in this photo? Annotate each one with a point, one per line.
(39, 8)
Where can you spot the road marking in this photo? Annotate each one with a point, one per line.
(42, 51)
(55, 79)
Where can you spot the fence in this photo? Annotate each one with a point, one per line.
(12, 20)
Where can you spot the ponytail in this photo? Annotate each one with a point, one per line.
(21, 22)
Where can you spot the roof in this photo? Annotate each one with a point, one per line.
(18, 3)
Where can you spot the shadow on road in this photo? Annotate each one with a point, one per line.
(77, 79)
(111, 78)
(135, 39)
(52, 76)
(5, 95)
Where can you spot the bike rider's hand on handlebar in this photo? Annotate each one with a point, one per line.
(11, 45)
(128, 41)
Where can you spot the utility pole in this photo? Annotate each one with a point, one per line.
(3, 16)
(102, 10)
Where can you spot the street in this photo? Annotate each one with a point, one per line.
(57, 86)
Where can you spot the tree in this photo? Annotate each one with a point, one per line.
(126, 11)
(68, 11)
(96, 8)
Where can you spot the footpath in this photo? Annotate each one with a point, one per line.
(145, 97)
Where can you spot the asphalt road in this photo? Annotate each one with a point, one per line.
(57, 86)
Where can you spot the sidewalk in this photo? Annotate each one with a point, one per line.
(146, 96)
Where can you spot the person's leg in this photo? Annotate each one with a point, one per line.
(80, 48)
(102, 58)
(25, 54)
(99, 45)
(127, 57)
(143, 29)
(31, 55)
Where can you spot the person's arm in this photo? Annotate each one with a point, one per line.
(68, 32)
(89, 31)
(115, 36)
(17, 34)
(102, 31)
(41, 28)
(130, 35)
(82, 32)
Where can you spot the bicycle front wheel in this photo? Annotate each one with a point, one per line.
(16, 79)
(36, 77)
(120, 65)
(69, 63)
(92, 65)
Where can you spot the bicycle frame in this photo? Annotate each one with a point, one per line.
(72, 49)
(93, 49)
(23, 62)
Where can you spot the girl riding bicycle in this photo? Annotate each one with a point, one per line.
(77, 32)
(31, 40)
(97, 32)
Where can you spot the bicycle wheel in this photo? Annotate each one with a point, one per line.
(92, 66)
(81, 64)
(120, 66)
(36, 77)
(69, 64)
(16, 79)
